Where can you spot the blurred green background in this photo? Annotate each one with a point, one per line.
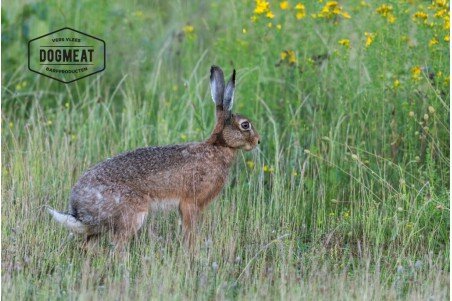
(347, 196)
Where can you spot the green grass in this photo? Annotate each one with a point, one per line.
(347, 196)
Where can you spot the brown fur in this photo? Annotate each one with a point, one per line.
(118, 193)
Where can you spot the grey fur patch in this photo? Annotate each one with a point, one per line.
(165, 204)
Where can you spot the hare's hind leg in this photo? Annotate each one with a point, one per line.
(126, 226)
(130, 210)
(91, 242)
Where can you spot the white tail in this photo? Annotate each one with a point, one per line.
(68, 221)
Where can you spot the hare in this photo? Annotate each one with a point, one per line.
(117, 194)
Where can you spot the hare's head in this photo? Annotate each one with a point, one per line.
(231, 130)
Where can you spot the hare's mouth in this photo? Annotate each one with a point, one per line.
(248, 147)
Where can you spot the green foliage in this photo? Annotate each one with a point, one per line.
(347, 196)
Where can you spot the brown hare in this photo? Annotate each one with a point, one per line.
(117, 194)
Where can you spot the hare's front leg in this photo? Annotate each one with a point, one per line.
(190, 213)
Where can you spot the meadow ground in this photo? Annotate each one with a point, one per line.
(347, 196)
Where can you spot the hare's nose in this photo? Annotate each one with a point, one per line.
(258, 142)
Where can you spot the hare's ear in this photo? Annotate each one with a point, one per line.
(217, 85)
(228, 99)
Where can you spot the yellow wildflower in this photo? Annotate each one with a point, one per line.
(331, 10)
(188, 29)
(420, 15)
(300, 15)
(384, 10)
(396, 84)
(301, 11)
(441, 3)
(416, 73)
(391, 19)
(300, 6)
(262, 7)
(269, 24)
(346, 215)
(268, 169)
(289, 56)
(370, 37)
(433, 42)
(441, 13)
(344, 42)
(446, 25)
(284, 5)
(292, 58)
(447, 38)
(346, 15)
(21, 85)
(250, 164)
(279, 26)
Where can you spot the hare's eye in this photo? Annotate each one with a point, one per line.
(245, 125)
